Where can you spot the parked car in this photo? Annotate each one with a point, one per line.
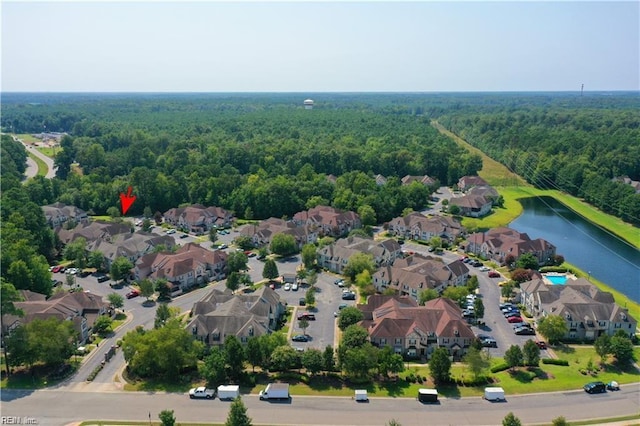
(223, 246)
(132, 294)
(542, 345)
(300, 338)
(348, 296)
(512, 320)
(287, 287)
(102, 278)
(342, 306)
(294, 287)
(494, 274)
(307, 316)
(62, 269)
(202, 392)
(483, 269)
(489, 343)
(595, 387)
(302, 301)
(525, 331)
(184, 236)
(55, 269)
(512, 315)
(251, 254)
(613, 385)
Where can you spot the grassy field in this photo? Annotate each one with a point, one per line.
(512, 187)
(27, 138)
(42, 166)
(49, 152)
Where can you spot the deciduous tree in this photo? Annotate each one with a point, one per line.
(236, 262)
(270, 270)
(214, 368)
(477, 362)
(116, 300)
(309, 256)
(428, 294)
(440, 365)
(531, 353)
(357, 263)
(511, 420)
(120, 268)
(283, 244)
(146, 288)
(552, 327)
(313, 361)
(234, 356)
(513, 356)
(238, 414)
(349, 316)
(167, 418)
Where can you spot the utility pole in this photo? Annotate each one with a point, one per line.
(581, 89)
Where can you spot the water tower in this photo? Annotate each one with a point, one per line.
(308, 104)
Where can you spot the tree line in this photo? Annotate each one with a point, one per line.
(576, 150)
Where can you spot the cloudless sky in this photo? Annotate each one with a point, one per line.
(320, 46)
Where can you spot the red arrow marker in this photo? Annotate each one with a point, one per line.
(126, 201)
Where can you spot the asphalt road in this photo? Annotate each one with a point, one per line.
(63, 407)
(48, 161)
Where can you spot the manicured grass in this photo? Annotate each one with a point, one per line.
(49, 152)
(25, 137)
(42, 166)
(512, 187)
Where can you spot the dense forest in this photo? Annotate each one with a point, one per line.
(264, 155)
(578, 151)
(255, 157)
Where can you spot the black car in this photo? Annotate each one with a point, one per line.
(300, 338)
(348, 296)
(102, 278)
(595, 387)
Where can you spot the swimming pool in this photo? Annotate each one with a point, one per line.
(557, 279)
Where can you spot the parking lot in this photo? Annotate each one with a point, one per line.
(321, 331)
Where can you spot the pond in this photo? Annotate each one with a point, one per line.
(592, 249)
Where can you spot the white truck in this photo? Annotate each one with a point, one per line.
(202, 392)
(275, 391)
(228, 392)
(494, 394)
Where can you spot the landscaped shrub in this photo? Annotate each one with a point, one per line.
(558, 269)
(554, 361)
(94, 373)
(500, 367)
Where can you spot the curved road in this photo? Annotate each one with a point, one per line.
(47, 160)
(48, 407)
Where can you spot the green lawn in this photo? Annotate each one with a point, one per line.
(25, 137)
(42, 166)
(49, 152)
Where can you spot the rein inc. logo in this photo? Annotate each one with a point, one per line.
(18, 420)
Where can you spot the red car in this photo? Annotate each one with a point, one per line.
(132, 294)
(515, 319)
(56, 269)
(494, 274)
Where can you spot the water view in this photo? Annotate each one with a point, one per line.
(605, 257)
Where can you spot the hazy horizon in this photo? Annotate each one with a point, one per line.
(320, 47)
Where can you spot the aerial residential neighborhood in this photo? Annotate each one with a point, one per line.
(309, 278)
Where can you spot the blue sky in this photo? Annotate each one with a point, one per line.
(320, 46)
